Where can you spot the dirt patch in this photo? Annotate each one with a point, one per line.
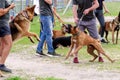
(107, 18)
(29, 65)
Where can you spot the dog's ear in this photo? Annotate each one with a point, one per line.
(31, 9)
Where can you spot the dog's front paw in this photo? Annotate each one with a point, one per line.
(90, 60)
(38, 39)
(112, 61)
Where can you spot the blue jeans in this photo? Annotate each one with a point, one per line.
(100, 16)
(46, 33)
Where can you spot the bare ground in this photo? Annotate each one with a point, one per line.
(30, 65)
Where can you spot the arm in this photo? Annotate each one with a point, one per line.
(6, 10)
(48, 1)
(93, 7)
(105, 8)
(57, 15)
(74, 9)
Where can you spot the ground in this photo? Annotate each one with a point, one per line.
(30, 65)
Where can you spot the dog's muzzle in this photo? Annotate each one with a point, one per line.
(68, 28)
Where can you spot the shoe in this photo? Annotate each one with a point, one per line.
(40, 53)
(75, 60)
(52, 54)
(4, 68)
(100, 59)
(103, 41)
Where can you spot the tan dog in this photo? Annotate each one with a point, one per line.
(59, 33)
(112, 26)
(80, 39)
(20, 25)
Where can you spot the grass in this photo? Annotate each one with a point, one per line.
(112, 50)
(38, 78)
(113, 7)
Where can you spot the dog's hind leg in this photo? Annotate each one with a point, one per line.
(100, 50)
(113, 36)
(106, 36)
(117, 36)
(108, 57)
(90, 50)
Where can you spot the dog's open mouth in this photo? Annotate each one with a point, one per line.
(67, 27)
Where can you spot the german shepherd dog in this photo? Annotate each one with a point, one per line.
(80, 39)
(20, 25)
(112, 26)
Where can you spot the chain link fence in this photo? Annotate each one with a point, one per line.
(21, 4)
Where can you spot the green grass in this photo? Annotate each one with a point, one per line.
(15, 78)
(113, 7)
(38, 78)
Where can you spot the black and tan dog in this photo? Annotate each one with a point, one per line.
(112, 26)
(80, 39)
(20, 25)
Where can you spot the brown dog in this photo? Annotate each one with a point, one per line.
(20, 25)
(80, 39)
(112, 26)
(59, 33)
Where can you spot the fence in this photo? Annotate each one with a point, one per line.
(21, 4)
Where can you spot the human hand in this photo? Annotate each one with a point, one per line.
(86, 11)
(12, 5)
(76, 20)
(107, 11)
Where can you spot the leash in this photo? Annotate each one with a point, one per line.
(81, 17)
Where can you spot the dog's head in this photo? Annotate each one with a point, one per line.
(71, 29)
(29, 12)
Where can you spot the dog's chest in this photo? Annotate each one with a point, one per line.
(25, 25)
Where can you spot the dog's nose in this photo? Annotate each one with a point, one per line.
(31, 20)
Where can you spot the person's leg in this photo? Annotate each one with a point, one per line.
(48, 31)
(6, 44)
(100, 17)
(81, 25)
(1, 48)
(92, 29)
(42, 36)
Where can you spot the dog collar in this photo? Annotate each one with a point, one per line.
(76, 34)
(25, 14)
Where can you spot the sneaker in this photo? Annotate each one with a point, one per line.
(40, 53)
(52, 54)
(4, 68)
(75, 60)
(103, 41)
